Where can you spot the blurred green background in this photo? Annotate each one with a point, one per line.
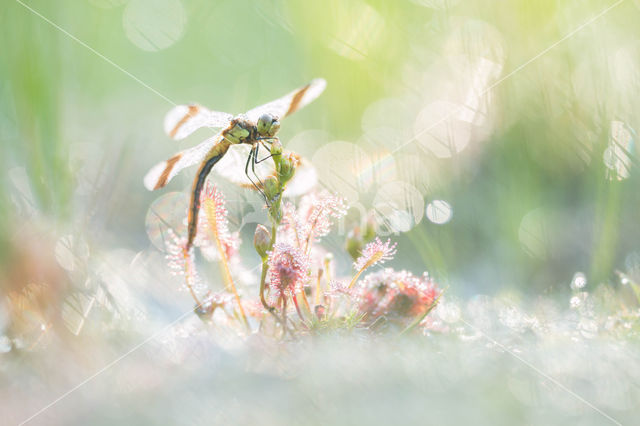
(433, 100)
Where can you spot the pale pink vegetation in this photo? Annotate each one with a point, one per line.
(396, 294)
(229, 241)
(375, 252)
(177, 255)
(253, 308)
(290, 229)
(337, 288)
(213, 301)
(313, 219)
(296, 261)
(288, 269)
(180, 261)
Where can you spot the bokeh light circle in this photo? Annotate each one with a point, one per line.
(579, 281)
(538, 233)
(167, 212)
(107, 4)
(414, 170)
(438, 130)
(154, 25)
(343, 168)
(71, 252)
(439, 212)
(358, 30)
(394, 113)
(437, 4)
(398, 207)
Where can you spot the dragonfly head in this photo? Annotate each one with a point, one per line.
(268, 125)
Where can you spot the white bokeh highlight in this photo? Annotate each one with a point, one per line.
(154, 25)
(439, 212)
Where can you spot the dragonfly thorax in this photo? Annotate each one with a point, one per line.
(240, 130)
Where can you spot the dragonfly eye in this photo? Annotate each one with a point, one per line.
(264, 124)
(267, 125)
(275, 126)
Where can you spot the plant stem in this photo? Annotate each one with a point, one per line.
(375, 258)
(210, 209)
(295, 303)
(187, 276)
(355, 278)
(231, 285)
(265, 267)
(263, 278)
(284, 316)
(306, 301)
(316, 296)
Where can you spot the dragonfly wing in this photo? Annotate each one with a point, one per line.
(232, 166)
(182, 120)
(290, 103)
(162, 173)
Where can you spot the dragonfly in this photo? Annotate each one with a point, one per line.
(234, 148)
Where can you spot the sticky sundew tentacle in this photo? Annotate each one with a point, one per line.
(288, 269)
(292, 229)
(373, 253)
(312, 220)
(216, 214)
(322, 208)
(217, 225)
(180, 262)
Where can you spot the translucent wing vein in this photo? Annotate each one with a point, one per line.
(291, 102)
(162, 173)
(182, 120)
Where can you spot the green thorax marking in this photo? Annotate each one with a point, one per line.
(239, 131)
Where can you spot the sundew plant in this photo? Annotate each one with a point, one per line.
(320, 212)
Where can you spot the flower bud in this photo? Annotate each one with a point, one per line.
(276, 147)
(287, 169)
(320, 312)
(271, 187)
(262, 240)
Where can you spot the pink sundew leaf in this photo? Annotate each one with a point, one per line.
(288, 269)
(376, 252)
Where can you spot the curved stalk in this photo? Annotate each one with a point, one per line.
(210, 209)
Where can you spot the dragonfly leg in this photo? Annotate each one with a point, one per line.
(251, 160)
(246, 169)
(265, 158)
(262, 142)
(255, 161)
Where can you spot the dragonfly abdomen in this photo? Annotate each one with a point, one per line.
(216, 153)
